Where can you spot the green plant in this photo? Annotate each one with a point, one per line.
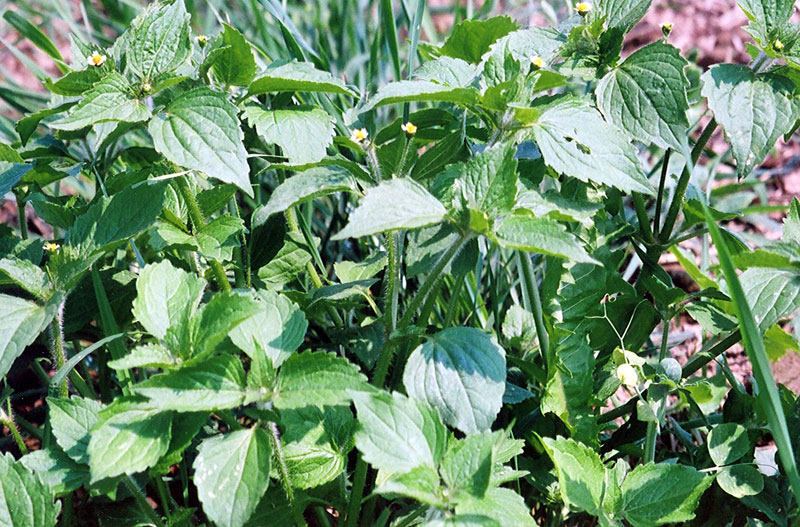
(274, 298)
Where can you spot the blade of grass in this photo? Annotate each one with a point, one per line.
(390, 34)
(37, 38)
(754, 347)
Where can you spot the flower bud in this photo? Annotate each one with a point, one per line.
(671, 369)
(627, 375)
(666, 28)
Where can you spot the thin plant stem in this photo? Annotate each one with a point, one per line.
(652, 427)
(529, 282)
(21, 217)
(660, 196)
(141, 500)
(59, 356)
(283, 469)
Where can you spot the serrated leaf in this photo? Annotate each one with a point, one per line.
(581, 473)
(10, 174)
(447, 71)
(71, 421)
(24, 500)
(766, 16)
(421, 90)
(488, 181)
(302, 187)
(754, 109)
(420, 483)
(56, 470)
(199, 130)
(231, 473)
(288, 264)
(145, 356)
(740, 480)
(79, 81)
(277, 329)
(398, 434)
(317, 378)
(622, 14)
(234, 65)
(772, 293)
(461, 373)
(303, 132)
(575, 140)
(467, 464)
(470, 39)
(21, 321)
(214, 384)
(216, 319)
(524, 44)
(166, 297)
(503, 506)
(298, 76)
(540, 235)
(158, 40)
(314, 456)
(395, 204)
(111, 99)
(216, 240)
(24, 274)
(185, 427)
(727, 443)
(645, 96)
(658, 494)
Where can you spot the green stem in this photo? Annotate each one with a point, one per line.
(198, 221)
(641, 215)
(8, 420)
(60, 357)
(660, 197)
(22, 219)
(652, 427)
(110, 327)
(390, 302)
(283, 469)
(529, 281)
(242, 252)
(141, 500)
(164, 495)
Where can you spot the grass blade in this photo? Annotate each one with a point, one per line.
(390, 34)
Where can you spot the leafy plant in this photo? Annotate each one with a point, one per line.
(274, 297)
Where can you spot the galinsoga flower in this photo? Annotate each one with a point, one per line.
(96, 59)
(409, 128)
(51, 247)
(146, 87)
(202, 40)
(537, 62)
(583, 8)
(777, 45)
(666, 28)
(359, 134)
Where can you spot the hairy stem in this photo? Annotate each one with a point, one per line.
(141, 500)
(283, 469)
(59, 356)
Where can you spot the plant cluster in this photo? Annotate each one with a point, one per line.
(274, 299)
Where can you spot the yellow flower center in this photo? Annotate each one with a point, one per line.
(409, 128)
(777, 45)
(537, 62)
(583, 8)
(359, 134)
(50, 246)
(202, 39)
(146, 87)
(96, 59)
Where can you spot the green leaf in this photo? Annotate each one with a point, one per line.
(581, 474)
(231, 473)
(467, 464)
(711, 317)
(35, 35)
(71, 421)
(524, 44)
(622, 14)
(420, 90)
(754, 109)
(741, 480)
(215, 320)
(420, 483)
(313, 453)
(56, 470)
(540, 235)
(26, 275)
(460, 372)
(10, 174)
(158, 40)
(288, 264)
(392, 205)
(234, 65)
(80, 81)
(129, 438)
(22, 321)
(353, 272)
(166, 297)
(185, 427)
(145, 356)
(470, 39)
(658, 494)
(303, 132)
(773, 293)
(199, 130)
(216, 240)
(791, 224)
(504, 506)
(24, 500)
(214, 384)
(488, 181)
(317, 379)
(766, 16)
(277, 329)
(575, 140)
(448, 71)
(728, 443)
(645, 96)
(398, 434)
(111, 99)
(297, 76)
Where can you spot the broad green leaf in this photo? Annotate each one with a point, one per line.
(158, 40)
(199, 130)
(214, 384)
(448, 71)
(772, 293)
(398, 434)
(145, 356)
(185, 427)
(711, 317)
(26, 275)
(532, 42)
(277, 329)
(540, 235)
(622, 14)
(298, 76)
(21, 321)
(470, 39)
(581, 474)
(645, 96)
(10, 174)
(111, 99)
(215, 320)
(754, 109)
(766, 16)
(24, 500)
(658, 494)
(504, 506)
(234, 65)
(740, 480)
(395, 204)
(216, 240)
(420, 483)
(129, 438)
(288, 264)
(56, 470)
(313, 452)
(460, 372)
(166, 297)
(791, 224)
(304, 133)
(488, 181)
(727, 443)
(353, 272)
(467, 464)
(519, 328)
(423, 91)
(555, 206)
(79, 82)
(231, 473)
(71, 421)
(575, 140)
(302, 187)
(317, 379)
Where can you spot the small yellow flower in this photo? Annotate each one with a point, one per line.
(51, 247)
(146, 87)
(583, 8)
(666, 28)
(627, 375)
(202, 40)
(777, 45)
(409, 128)
(96, 59)
(537, 62)
(359, 134)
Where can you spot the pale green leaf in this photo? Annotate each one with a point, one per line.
(234, 65)
(488, 181)
(24, 274)
(504, 506)
(216, 319)
(56, 470)
(21, 321)
(420, 483)
(71, 421)
(622, 14)
(288, 264)
(303, 132)
(532, 42)
(158, 40)
(317, 378)
(727, 443)
(145, 356)
(740, 480)
(772, 293)
(540, 235)
(448, 71)
(298, 76)
(467, 464)
(580, 473)
(470, 39)
(423, 91)
(24, 500)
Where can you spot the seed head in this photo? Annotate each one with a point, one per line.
(359, 134)
(409, 128)
(537, 62)
(96, 59)
(583, 8)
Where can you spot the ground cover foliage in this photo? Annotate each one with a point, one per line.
(278, 296)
